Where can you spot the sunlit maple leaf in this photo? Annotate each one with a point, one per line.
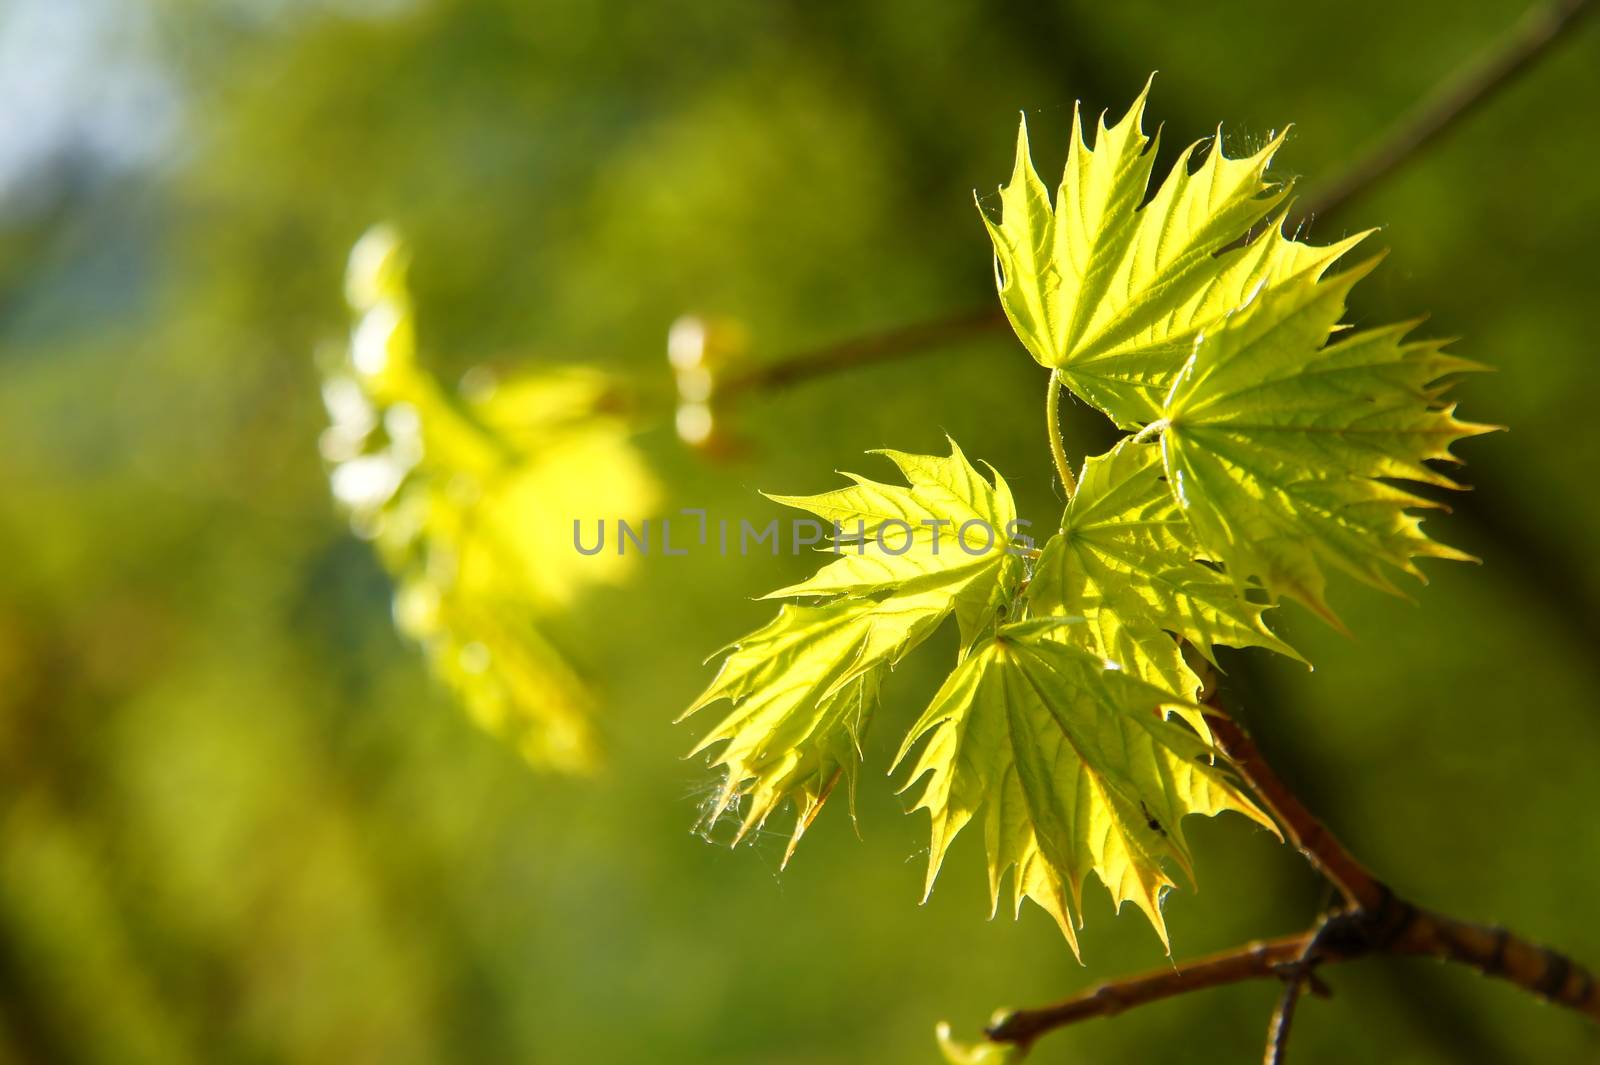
(1074, 769)
(804, 687)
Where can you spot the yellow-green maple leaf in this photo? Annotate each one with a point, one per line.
(1074, 768)
(804, 687)
(948, 528)
(470, 499)
(1113, 294)
(1280, 443)
(1126, 562)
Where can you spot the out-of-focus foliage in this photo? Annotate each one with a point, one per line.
(240, 823)
(469, 500)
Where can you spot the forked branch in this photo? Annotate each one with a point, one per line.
(1491, 951)
(1373, 921)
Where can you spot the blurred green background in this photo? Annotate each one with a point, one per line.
(238, 823)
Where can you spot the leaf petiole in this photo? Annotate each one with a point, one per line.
(1058, 449)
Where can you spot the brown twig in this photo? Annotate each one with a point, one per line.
(1326, 854)
(1491, 951)
(1253, 962)
(1282, 1022)
(865, 350)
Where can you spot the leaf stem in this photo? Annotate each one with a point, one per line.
(1058, 448)
(1151, 431)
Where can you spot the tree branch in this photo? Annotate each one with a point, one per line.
(1491, 951)
(1283, 1020)
(1253, 962)
(1296, 976)
(1325, 853)
(866, 350)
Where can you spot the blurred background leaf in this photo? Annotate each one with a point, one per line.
(466, 497)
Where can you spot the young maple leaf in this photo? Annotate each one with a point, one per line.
(1277, 444)
(1073, 766)
(1113, 294)
(804, 687)
(948, 528)
(1126, 562)
(1280, 444)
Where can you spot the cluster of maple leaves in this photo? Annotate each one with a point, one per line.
(1264, 443)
